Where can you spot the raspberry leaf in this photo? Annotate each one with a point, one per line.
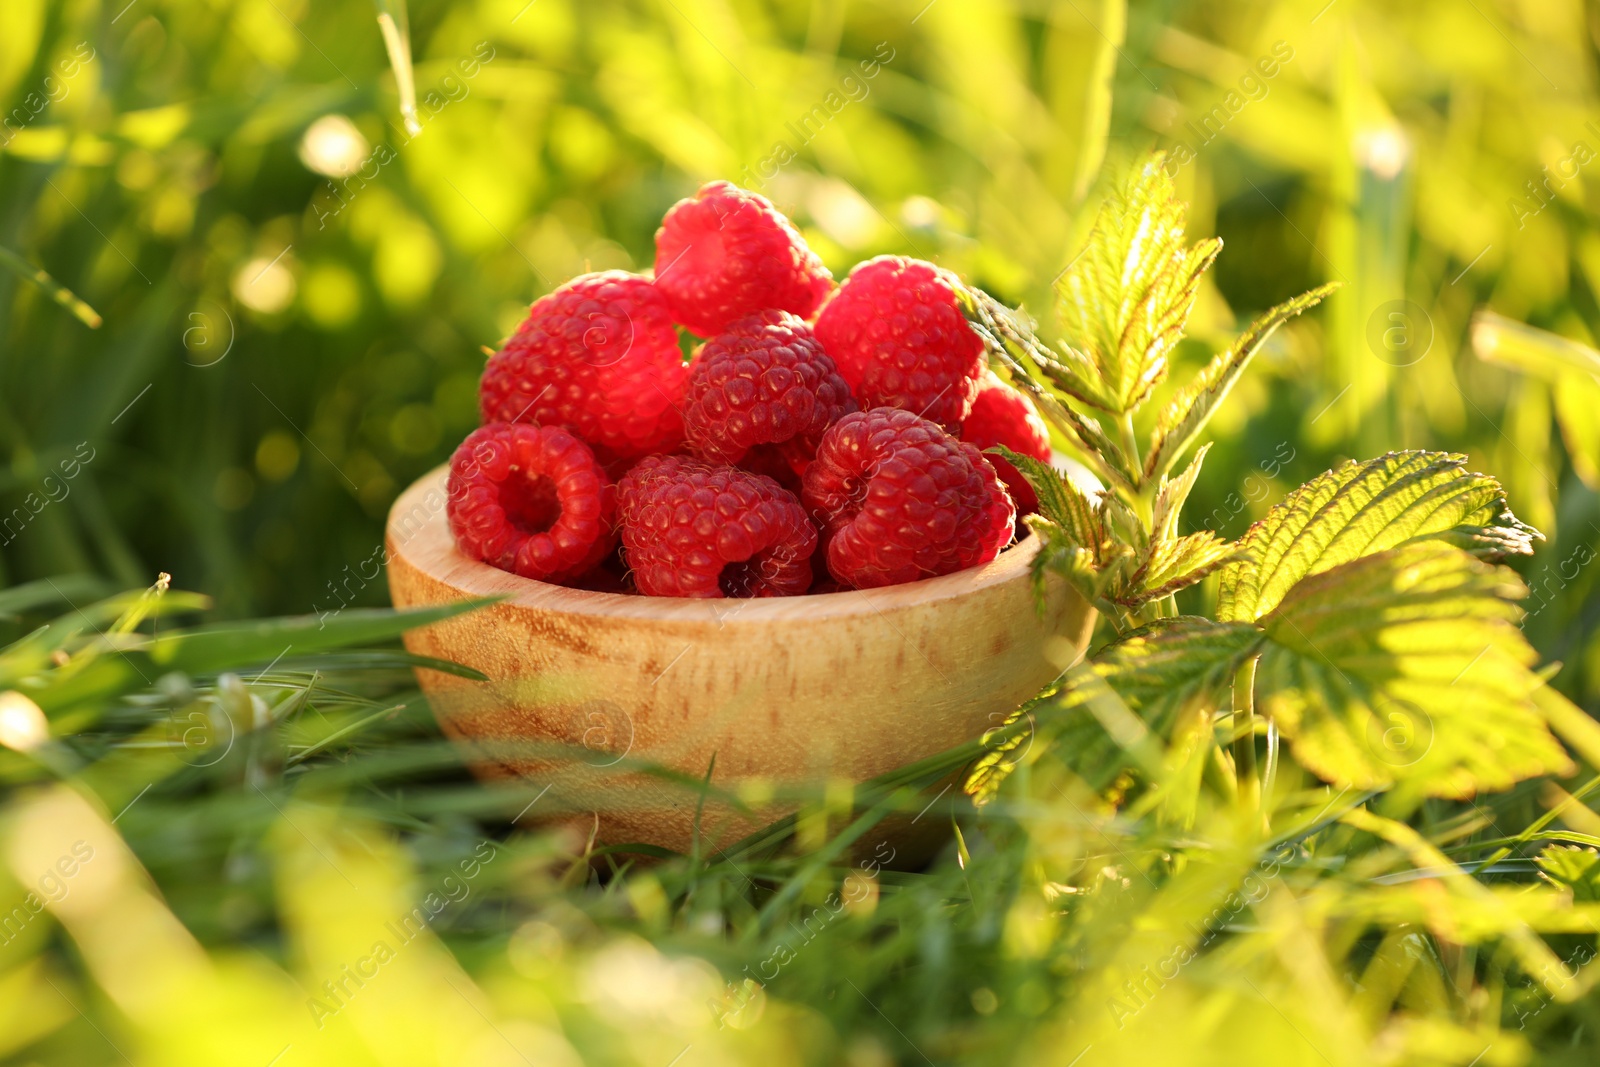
(1177, 666)
(1358, 509)
(1104, 455)
(1029, 365)
(1187, 413)
(1168, 562)
(1092, 569)
(1408, 666)
(1060, 499)
(1102, 547)
(1103, 717)
(1123, 303)
(1171, 495)
(1174, 564)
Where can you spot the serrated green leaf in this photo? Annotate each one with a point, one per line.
(1573, 868)
(1408, 666)
(1004, 748)
(1086, 433)
(1174, 665)
(1029, 365)
(1075, 374)
(1058, 555)
(1060, 500)
(1187, 413)
(1081, 721)
(1091, 570)
(1358, 509)
(1175, 564)
(1123, 525)
(1124, 301)
(1171, 495)
(1170, 562)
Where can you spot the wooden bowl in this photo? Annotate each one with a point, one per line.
(788, 694)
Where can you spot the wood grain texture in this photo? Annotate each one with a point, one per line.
(787, 693)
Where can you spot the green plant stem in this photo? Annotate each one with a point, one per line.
(1130, 442)
(1244, 735)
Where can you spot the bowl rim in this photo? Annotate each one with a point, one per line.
(429, 547)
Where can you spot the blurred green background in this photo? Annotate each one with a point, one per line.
(295, 291)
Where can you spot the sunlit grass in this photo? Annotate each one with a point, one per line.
(281, 345)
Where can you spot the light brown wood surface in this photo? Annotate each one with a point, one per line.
(787, 694)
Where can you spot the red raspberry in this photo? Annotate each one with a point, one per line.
(901, 341)
(767, 461)
(531, 500)
(1002, 416)
(764, 381)
(690, 529)
(900, 499)
(728, 253)
(598, 356)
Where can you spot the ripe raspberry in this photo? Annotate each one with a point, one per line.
(531, 500)
(900, 499)
(767, 461)
(690, 529)
(728, 253)
(901, 341)
(764, 381)
(598, 356)
(1002, 416)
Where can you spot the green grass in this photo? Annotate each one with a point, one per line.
(257, 824)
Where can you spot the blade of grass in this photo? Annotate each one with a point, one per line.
(396, 30)
(48, 591)
(342, 733)
(376, 660)
(54, 289)
(1534, 828)
(233, 646)
(824, 856)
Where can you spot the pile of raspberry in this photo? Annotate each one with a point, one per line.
(820, 438)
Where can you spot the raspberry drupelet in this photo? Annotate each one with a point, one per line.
(531, 500)
(899, 499)
(765, 381)
(1002, 416)
(901, 340)
(691, 529)
(727, 253)
(598, 356)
